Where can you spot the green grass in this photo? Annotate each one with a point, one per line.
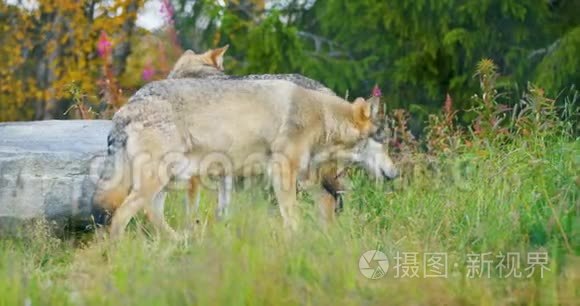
(521, 197)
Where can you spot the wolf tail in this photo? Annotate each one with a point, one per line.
(114, 182)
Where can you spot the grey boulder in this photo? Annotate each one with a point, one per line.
(48, 169)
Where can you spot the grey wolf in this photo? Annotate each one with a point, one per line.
(168, 129)
(209, 64)
(205, 65)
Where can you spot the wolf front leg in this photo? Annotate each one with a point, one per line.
(284, 176)
(327, 203)
(156, 215)
(147, 183)
(326, 189)
(132, 204)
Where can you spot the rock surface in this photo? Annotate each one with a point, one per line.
(48, 169)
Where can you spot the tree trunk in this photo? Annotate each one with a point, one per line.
(122, 51)
(45, 73)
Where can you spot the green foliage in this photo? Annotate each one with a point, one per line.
(559, 67)
(280, 49)
(425, 49)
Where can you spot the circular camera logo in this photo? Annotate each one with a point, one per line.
(373, 264)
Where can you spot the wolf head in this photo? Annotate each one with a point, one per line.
(370, 149)
(192, 65)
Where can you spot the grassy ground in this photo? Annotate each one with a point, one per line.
(521, 198)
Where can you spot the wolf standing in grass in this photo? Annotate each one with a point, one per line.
(178, 128)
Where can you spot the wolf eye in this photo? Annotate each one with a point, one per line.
(380, 133)
(379, 136)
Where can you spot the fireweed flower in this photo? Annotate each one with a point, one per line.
(448, 105)
(167, 11)
(103, 45)
(147, 73)
(377, 91)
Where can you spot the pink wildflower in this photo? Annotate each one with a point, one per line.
(167, 11)
(448, 105)
(377, 91)
(148, 73)
(103, 45)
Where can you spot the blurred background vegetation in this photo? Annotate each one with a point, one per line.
(490, 84)
(89, 56)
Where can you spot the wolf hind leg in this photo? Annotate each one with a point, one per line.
(193, 195)
(224, 196)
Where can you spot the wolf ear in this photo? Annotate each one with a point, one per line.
(361, 111)
(188, 52)
(217, 56)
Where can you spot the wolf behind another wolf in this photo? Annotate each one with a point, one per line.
(209, 65)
